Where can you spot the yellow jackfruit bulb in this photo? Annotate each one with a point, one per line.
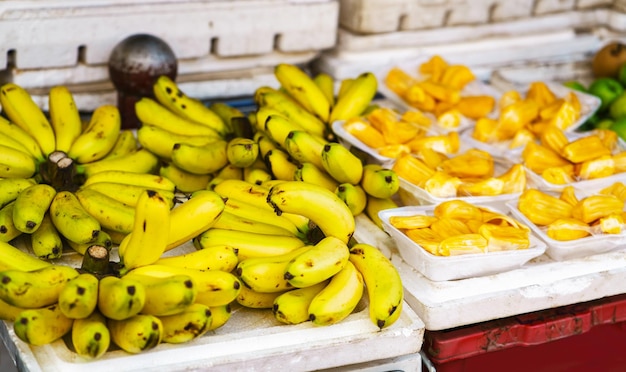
(609, 138)
(394, 151)
(398, 81)
(484, 130)
(486, 187)
(559, 175)
(476, 107)
(568, 194)
(412, 170)
(364, 132)
(434, 67)
(549, 111)
(566, 116)
(426, 238)
(595, 207)
(619, 162)
(462, 244)
(514, 179)
(445, 143)
(458, 210)
(379, 117)
(418, 118)
(617, 189)
(440, 92)
(553, 138)
(522, 138)
(418, 98)
(473, 163)
(504, 238)
(442, 185)
(564, 229)
(431, 157)
(538, 158)
(457, 76)
(584, 149)
(509, 97)
(613, 224)
(541, 208)
(499, 219)
(572, 99)
(450, 119)
(474, 225)
(415, 221)
(441, 107)
(602, 166)
(516, 116)
(539, 92)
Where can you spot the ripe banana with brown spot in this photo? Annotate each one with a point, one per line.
(309, 173)
(186, 182)
(127, 194)
(31, 205)
(219, 316)
(12, 258)
(36, 288)
(151, 112)
(41, 326)
(216, 257)
(242, 152)
(355, 98)
(125, 144)
(46, 242)
(292, 307)
(21, 136)
(136, 334)
(120, 298)
(341, 164)
(16, 163)
(8, 231)
(91, 337)
(257, 300)
(146, 180)
(10, 188)
(79, 298)
(193, 322)
(281, 165)
(303, 89)
(249, 244)
(161, 141)
(99, 137)
(267, 274)
(112, 214)
(166, 295)
(64, 117)
(315, 265)
(203, 159)
(354, 196)
(140, 161)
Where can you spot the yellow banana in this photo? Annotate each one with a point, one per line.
(79, 297)
(268, 274)
(37, 288)
(185, 182)
(256, 175)
(230, 221)
(261, 214)
(320, 262)
(249, 244)
(166, 295)
(339, 298)
(356, 98)
(341, 163)
(7, 141)
(204, 159)
(137, 333)
(375, 205)
(127, 194)
(31, 205)
(229, 172)
(326, 83)
(151, 112)
(257, 300)
(193, 322)
(10, 188)
(169, 94)
(191, 218)
(140, 161)
(125, 144)
(8, 231)
(292, 307)
(64, 117)
(120, 298)
(354, 196)
(9, 312)
(19, 107)
(216, 257)
(343, 87)
(329, 213)
(12, 258)
(227, 113)
(309, 173)
(379, 182)
(42, 326)
(150, 232)
(14, 131)
(305, 148)
(281, 165)
(278, 128)
(161, 141)
(242, 152)
(382, 282)
(110, 213)
(46, 242)
(265, 143)
(303, 89)
(104, 239)
(16, 163)
(219, 316)
(150, 181)
(90, 336)
(99, 137)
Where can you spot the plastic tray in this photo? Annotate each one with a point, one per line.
(437, 268)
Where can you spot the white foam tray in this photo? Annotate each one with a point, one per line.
(540, 284)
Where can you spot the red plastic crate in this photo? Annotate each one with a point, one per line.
(589, 336)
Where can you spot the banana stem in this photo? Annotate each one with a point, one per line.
(96, 261)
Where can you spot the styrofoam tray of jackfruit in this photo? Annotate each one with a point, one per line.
(250, 339)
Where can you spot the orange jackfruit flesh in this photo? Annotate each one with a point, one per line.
(412, 170)
(613, 224)
(485, 130)
(594, 207)
(522, 138)
(457, 76)
(540, 93)
(487, 187)
(559, 175)
(431, 157)
(538, 158)
(445, 143)
(398, 81)
(473, 163)
(457, 209)
(416, 221)
(514, 179)
(541, 208)
(365, 133)
(617, 189)
(584, 149)
(426, 238)
(568, 194)
(565, 229)
(599, 167)
(504, 238)
(476, 107)
(516, 116)
(463, 244)
(553, 138)
(442, 185)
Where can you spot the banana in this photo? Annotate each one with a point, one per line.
(140, 161)
(12, 258)
(292, 307)
(31, 205)
(303, 89)
(320, 262)
(169, 94)
(185, 182)
(137, 333)
(9, 312)
(227, 113)
(42, 326)
(151, 112)
(19, 107)
(354, 196)
(110, 213)
(99, 137)
(382, 282)
(161, 141)
(265, 143)
(309, 173)
(6, 140)
(379, 182)
(242, 152)
(91, 337)
(16, 163)
(257, 300)
(146, 180)
(230, 221)
(15, 132)
(193, 322)
(375, 205)
(278, 128)
(326, 83)
(249, 244)
(37, 288)
(64, 117)
(305, 148)
(229, 172)
(200, 159)
(216, 257)
(343, 86)
(125, 144)
(79, 297)
(356, 98)
(262, 215)
(10, 188)
(280, 164)
(166, 295)
(268, 274)
(215, 288)
(219, 316)
(194, 216)
(72, 220)
(120, 298)
(8, 231)
(329, 213)
(341, 164)
(339, 298)
(125, 193)
(46, 242)
(104, 239)
(150, 232)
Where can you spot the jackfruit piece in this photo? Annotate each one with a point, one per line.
(539, 92)
(509, 97)
(613, 224)
(504, 238)
(566, 116)
(516, 116)
(440, 91)
(415, 221)
(538, 158)
(522, 138)
(553, 138)
(559, 175)
(541, 208)
(565, 229)
(617, 189)
(584, 149)
(426, 238)
(394, 151)
(487, 187)
(473, 163)
(457, 76)
(485, 130)
(619, 162)
(449, 119)
(462, 244)
(595, 207)
(476, 107)
(431, 157)
(365, 133)
(499, 219)
(446, 143)
(568, 194)
(381, 116)
(412, 170)
(399, 81)
(434, 67)
(442, 185)
(609, 138)
(549, 111)
(602, 166)
(457, 209)
(417, 117)
(514, 179)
